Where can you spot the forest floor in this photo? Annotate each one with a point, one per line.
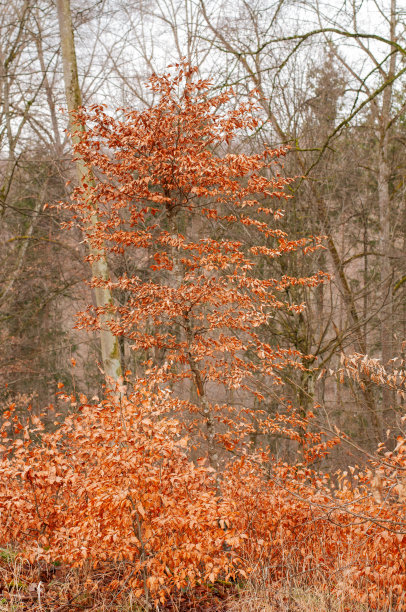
(59, 588)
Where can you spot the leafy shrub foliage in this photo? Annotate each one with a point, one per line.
(115, 482)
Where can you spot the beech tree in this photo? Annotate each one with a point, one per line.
(165, 178)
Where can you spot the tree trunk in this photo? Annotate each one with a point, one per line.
(110, 349)
(384, 202)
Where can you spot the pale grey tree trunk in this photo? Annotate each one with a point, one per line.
(384, 203)
(109, 343)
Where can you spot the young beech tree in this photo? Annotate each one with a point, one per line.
(170, 194)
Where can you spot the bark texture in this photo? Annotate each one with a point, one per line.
(109, 343)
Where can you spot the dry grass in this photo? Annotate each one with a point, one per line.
(57, 588)
(293, 599)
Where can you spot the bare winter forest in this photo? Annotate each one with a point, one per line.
(203, 305)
